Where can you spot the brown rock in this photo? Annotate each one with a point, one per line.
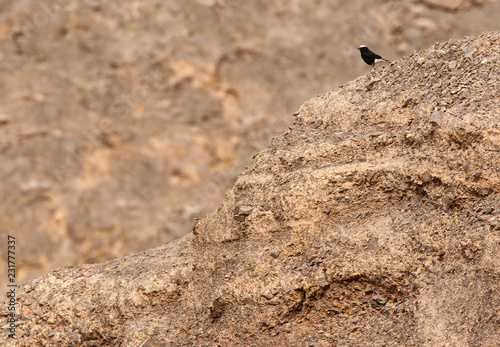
(436, 118)
(373, 244)
(139, 122)
(223, 286)
(448, 4)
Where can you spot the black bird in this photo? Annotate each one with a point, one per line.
(369, 57)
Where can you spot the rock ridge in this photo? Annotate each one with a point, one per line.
(374, 219)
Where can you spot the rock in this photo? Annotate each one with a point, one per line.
(448, 4)
(436, 118)
(373, 244)
(377, 301)
(206, 288)
(357, 137)
(469, 51)
(408, 101)
(407, 220)
(339, 136)
(316, 124)
(151, 123)
(323, 282)
(241, 212)
(275, 254)
(372, 83)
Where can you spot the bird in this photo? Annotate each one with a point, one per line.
(369, 57)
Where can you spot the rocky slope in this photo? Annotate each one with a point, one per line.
(374, 219)
(120, 122)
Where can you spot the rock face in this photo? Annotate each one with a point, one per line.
(121, 121)
(373, 220)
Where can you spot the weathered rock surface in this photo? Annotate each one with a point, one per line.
(121, 121)
(373, 220)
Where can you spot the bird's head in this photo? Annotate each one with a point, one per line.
(362, 47)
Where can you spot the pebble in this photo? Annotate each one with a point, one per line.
(372, 83)
(436, 118)
(275, 254)
(373, 244)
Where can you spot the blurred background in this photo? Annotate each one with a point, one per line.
(122, 121)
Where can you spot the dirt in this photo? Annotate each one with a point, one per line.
(374, 219)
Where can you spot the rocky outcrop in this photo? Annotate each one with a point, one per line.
(120, 122)
(373, 220)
